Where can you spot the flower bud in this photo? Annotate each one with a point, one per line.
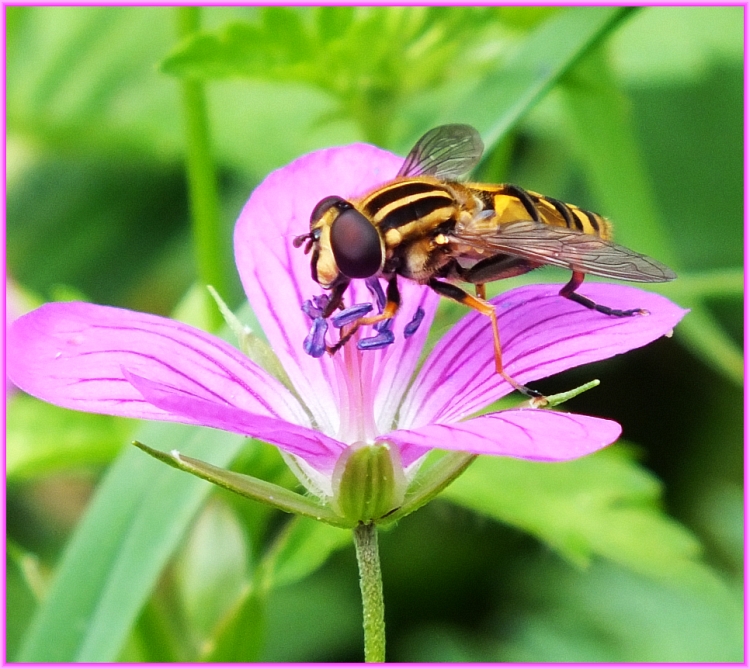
(368, 482)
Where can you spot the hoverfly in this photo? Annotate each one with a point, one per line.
(428, 227)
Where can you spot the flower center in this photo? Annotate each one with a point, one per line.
(356, 394)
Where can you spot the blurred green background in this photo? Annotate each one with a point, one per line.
(632, 555)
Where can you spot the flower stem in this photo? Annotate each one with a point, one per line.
(371, 584)
(201, 175)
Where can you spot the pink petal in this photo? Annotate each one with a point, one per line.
(395, 369)
(369, 385)
(541, 334)
(531, 434)
(320, 451)
(73, 354)
(15, 306)
(277, 278)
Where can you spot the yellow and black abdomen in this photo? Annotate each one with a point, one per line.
(512, 203)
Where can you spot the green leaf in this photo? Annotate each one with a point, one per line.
(68, 439)
(697, 38)
(212, 569)
(241, 636)
(137, 518)
(83, 79)
(495, 103)
(611, 615)
(307, 546)
(603, 504)
(86, 74)
(333, 21)
(372, 60)
(301, 548)
(707, 283)
(24, 586)
(603, 615)
(275, 49)
(314, 620)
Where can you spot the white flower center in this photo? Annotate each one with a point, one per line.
(355, 394)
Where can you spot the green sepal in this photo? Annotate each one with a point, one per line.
(250, 487)
(251, 344)
(428, 485)
(553, 400)
(368, 482)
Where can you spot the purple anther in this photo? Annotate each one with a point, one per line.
(315, 342)
(413, 325)
(380, 340)
(321, 301)
(351, 314)
(312, 311)
(377, 292)
(382, 326)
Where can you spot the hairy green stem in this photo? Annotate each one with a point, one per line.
(201, 176)
(371, 585)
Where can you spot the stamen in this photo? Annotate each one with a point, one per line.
(315, 342)
(377, 292)
(382, 326)
(380, 340)
(312, 311)
(413, 325)
(351, 314)
(321, 301)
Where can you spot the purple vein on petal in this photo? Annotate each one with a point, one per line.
(456, 350)
(276, 276)
(541, 333)
(205, 342)
(466, 395)
(155, 362)
(523, 433)
(62, 336)
(398, 363)
(227, 373)
(300, 370)
(316, 448)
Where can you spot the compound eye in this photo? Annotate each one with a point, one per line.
(356, 245)
(324, 205)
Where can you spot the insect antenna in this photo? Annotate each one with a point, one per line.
(301, 239)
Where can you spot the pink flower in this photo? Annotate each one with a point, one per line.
(107, 360)
(16, 304)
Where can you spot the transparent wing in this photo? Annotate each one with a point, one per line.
(445, 152)
(550, 245)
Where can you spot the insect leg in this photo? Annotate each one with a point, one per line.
(497, 267)
(462, 297)
(568, 290)
(334, 300)
(392, 303)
